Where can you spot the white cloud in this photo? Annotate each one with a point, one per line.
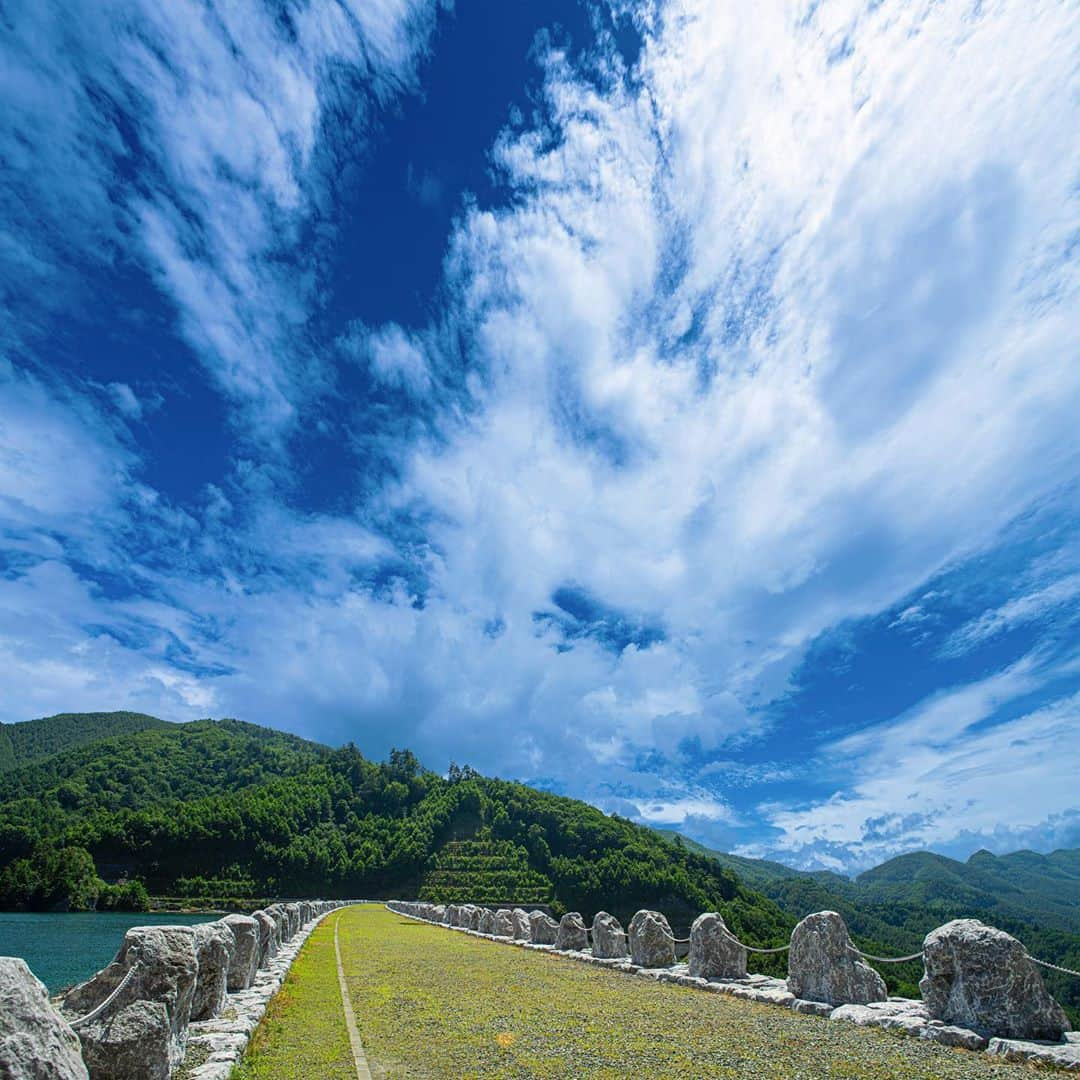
(765, 337)
(1058, 595)
(227, 103)
(949, 770)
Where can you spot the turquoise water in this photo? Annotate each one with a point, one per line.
(66, 949)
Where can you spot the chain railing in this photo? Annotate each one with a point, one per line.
(94, 1013)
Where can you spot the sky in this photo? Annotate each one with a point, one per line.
(662, 404)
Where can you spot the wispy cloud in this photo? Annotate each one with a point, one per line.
(766, 333)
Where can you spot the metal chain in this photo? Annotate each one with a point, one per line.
(677, 941)
(94, 1013)
(1054, 967)
(886, 959)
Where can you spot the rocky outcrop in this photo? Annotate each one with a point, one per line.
(522, 929)
(981, 978)
(36, 1042)
(213, 954)
(572, 934)
(543, 928)
(608, 939)
(651, 940)
(244, 961)
(713, 952)
(504, 923)
(132, 1044)
(166, 969)
(822, 967)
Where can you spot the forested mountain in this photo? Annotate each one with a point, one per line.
(1036, 897)
(32, 740)
(224, 809)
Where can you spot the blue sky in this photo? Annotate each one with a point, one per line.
(668, 408)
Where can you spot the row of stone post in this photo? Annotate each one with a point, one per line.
(163, 979)
(975, 976)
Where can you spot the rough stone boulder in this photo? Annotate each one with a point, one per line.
(475, 915)
(166, 969)
(651, 940)
(296, 916)
(608, 939)
(543, 928)
(268, 941)
(504, 923)
(572, 933)
(713, 953)
(36, 1042)
(522, 929)
(244, 961)
(822, 967)
(213, 951)
(981, 978)
(132, 1044)
(487, 921)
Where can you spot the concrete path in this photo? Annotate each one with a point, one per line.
(362, 1070)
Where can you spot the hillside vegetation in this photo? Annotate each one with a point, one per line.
(228, 810)
(33, 740)
(1036, 897)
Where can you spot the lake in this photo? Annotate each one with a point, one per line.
(63, 949)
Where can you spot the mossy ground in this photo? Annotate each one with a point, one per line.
(302, 1036)
(431, 1003)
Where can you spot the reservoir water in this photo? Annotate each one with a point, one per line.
(64, 949)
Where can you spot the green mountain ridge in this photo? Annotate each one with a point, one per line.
(1036, 897)
(231, 809)
(34, 740)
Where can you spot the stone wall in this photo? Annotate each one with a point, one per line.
(173, 998)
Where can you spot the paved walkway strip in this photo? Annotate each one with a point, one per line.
(362, 1070)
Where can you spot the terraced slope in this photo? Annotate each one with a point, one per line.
(485, 871)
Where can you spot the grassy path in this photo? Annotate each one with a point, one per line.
(431, 1003)
(303, 1035)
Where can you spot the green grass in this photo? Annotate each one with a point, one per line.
(302, 1035)
(431, 1003)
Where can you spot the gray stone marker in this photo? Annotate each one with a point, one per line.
(651, 944)
(543, 928)
(713, 953)
(504, 923)
(268, 942)
(36, 1042)
(821, 967)
(522, 929)
(608, 939)
(132, 1044)
(166, 969)
(981, 978)
(487, 921)
(213, 953)
(572, 933)
(244, 961)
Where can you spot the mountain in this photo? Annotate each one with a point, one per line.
(225, 809)
(34, 740)
(1036, 897)
(1023, 885)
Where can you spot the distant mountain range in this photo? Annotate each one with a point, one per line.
(226, 809)
(1024, 886)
